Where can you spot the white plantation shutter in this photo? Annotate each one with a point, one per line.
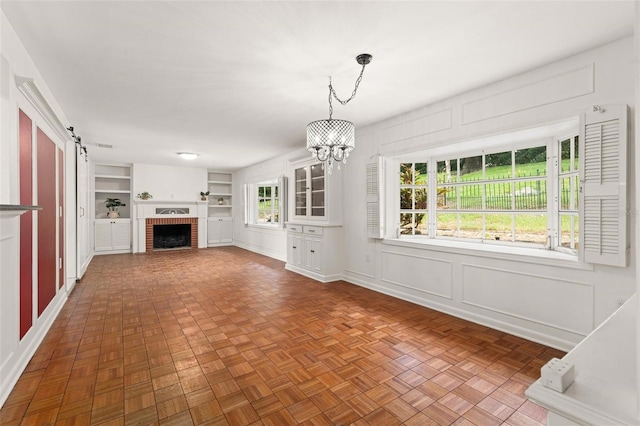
(245, 205)
(375, 227)
(282, 200)
(603, 192)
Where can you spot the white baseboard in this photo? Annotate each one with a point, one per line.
(19, 359)
(260, 250)
(313, 275)
(525, 333)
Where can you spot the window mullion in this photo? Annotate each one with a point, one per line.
(554, 165)
(432, 197)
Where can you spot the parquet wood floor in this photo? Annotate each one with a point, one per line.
(226, 336)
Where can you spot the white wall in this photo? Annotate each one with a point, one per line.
(542, 301)
(265, 240)
(16, 353)
(169, 183)
(550, 304)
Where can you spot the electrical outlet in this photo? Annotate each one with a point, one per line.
(367, 258)
(557, 375)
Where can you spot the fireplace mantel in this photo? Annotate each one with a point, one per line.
(149, 209)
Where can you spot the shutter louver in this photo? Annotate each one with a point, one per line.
(603, 220)
(282, 201)
(245, 205)
(374, 197)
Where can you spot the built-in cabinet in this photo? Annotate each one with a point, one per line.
(220, 209)
(112, 234)
(314, 234)
(314, 251)
(219, 231)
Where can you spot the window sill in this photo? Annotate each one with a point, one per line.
(274, 226)
(515, 254)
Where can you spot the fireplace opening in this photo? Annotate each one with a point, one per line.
(172, 236)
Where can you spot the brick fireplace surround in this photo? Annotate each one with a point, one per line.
(150, 223)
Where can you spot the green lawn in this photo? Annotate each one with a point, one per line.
(528, 195)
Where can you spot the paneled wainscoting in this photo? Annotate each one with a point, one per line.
(227, 336)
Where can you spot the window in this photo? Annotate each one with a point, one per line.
(499, 196)
(267, 204)
(413, 198)
(525, 194)
(561, 186)
(568, 188)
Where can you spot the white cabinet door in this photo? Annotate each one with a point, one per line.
(103, 236)
(112, 234)
(309, 196)
(313, 254)
(121, 232)
(295, 249)
(226, 231)
(213, 231)
(219, 230)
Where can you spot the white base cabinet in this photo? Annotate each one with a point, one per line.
(112, 235)
(219, 231)
(315, 251)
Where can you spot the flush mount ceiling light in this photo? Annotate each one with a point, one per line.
(188, 155)
(332, 140)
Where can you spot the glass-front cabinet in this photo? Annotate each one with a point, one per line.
(315, 243)
(310, 194)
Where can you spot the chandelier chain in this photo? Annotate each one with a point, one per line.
(332, 92)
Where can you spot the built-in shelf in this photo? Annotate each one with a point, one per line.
(113, 177)
(220, 222)
(8, 210)
(112, 234)
(114, 191)
(111, 181)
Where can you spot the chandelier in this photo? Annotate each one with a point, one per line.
(330, 141)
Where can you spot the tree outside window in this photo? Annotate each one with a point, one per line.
(268, 207)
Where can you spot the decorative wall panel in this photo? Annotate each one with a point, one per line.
(418, 273)
(26, 223)
(47, 261)
(61, 216)
(562, 304)
(555, 88)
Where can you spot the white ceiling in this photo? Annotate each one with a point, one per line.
(238, 81)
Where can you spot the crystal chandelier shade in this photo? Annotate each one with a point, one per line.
(330, 141)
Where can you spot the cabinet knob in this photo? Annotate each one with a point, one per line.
(313, 251)
(295, 247)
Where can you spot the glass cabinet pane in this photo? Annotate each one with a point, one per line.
(310, 191)
(301, 192)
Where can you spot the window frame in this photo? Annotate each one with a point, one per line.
(273, 211)
(464, 149)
